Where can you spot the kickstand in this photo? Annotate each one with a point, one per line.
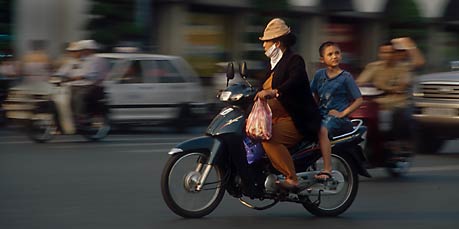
(317, 202)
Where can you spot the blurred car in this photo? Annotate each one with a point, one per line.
(153, 89)
(142, 89)
(435, 110)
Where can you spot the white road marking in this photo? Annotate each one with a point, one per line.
(434, 168)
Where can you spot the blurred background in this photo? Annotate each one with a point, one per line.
(206, 32)
(74, 183)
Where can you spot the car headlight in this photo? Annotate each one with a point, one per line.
(417, 91)
(236, 97)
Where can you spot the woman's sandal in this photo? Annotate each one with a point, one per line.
(288, 185)
(323, 173)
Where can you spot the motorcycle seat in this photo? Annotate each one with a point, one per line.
(358, 126)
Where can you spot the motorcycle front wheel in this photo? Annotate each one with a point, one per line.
(41, 127)
(179, 182)
(335, 204)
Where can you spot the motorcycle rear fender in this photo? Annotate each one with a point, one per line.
(211, 145)
(357, 155)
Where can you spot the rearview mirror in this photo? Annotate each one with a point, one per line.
(243, 69)
(230, 71)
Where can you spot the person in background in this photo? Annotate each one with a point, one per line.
(285, 86)
(66, 56)
(36, 65)
(87, 79)
(337, 96)
(70, 62)
(9, 67)
(392, 72)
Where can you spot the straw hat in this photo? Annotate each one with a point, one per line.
(275, 28)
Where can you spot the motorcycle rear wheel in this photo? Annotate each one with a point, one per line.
(179, 182)
(334, 205)
(97, 128)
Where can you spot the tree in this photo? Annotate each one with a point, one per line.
(404, 19)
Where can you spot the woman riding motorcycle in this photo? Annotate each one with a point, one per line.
(286, 85)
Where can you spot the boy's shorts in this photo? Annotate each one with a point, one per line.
(336, 126)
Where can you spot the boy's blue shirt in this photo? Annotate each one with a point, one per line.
(337, 93)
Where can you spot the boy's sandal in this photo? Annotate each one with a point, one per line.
(323, 173)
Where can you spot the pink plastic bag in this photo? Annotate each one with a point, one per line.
(259, 122)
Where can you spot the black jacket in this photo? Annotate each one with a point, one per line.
(291, 81)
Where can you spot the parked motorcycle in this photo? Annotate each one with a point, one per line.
(200, 170)
(383, 147)
(45, 109)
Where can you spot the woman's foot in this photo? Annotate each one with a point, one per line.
(288, 184)
(323, 175)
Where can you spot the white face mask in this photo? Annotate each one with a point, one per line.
(275, 54)
(272, 51)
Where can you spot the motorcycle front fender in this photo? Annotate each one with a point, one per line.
(211, 145)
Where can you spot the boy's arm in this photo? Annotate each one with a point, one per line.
(354, 91)
(351, 108)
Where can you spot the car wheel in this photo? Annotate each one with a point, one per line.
(184, 118)
(425, 143)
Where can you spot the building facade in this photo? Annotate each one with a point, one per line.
(210, 31)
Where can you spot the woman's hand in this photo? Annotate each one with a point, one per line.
(336, 113)
(266, 94)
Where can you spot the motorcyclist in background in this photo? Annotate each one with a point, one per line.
(392, 74)
(71, 62)
(86, 78)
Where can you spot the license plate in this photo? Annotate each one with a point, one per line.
(440, 111)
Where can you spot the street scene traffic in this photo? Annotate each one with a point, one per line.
(241, 114)
(72, 183)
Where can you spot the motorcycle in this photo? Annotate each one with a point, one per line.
(382, 147)
(46, 109)
(200, 170)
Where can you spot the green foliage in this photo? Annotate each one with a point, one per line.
(403, 12)
(404, 19)
(113, 21)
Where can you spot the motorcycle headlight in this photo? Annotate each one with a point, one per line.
(224, 95)
(236, 97)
